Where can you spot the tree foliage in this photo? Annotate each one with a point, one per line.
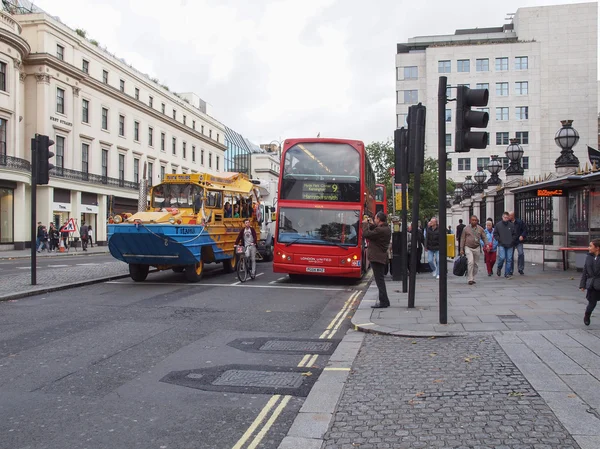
(381, 155)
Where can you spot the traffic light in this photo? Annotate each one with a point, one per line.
(416, 138)
(43, 159)
(466, 119)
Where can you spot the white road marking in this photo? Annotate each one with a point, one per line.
(86, 264)
(246, 284)
(58, 266)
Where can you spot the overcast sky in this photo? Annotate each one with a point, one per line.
(279, 68)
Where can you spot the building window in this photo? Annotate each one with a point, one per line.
(136, 170)
(60, 152)
(104, 118)
(174, 145)
(184, 150)
(162, 142)
(162, 172)
(174, 114)
(150, 101)
(411, 73)
(60, 100)
(150, 175)
(521, 87)
(502, 89)
(105, 76)
(150, 136)
(136, 131)
(137, 93)
(501, 113)
(522, 137)
(85, 111)
(521, 63)
(482, 65)
(217, 163)
(448, 92)
(201, 157)
(193, 124)
(410, 96)
(210, 133)
(162, 108)
(193, 153)
(525, 162)
(448, 115)
(218, 136)
(467, 85)
(443, 66)
(209, 160)
(174, 171)
(202, 129)
(482, 86)
(3, 76)
(122, 125)
(463, 65)
(448, 140)
(121, 167)
(401, 120)
(85, 66)
(60, 52)
(501, 64)
(464, 163)
(484, 110)
(85, 154)
(522, 112)
(122, 85)
(104, 163)
(3, 124)
(184, 119)
(483, 162)
(502, 138)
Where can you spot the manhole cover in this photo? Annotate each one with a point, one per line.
(509, 318)
(248, 378)
(291, 345)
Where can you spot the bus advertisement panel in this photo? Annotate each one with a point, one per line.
(381, 199)
(326, 187)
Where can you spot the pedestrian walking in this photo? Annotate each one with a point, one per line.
(459, 230)
(83, 233)
(39, 234)
(504, 232)
(90, 236)
(44, 240)
(470, 246)
(64, 235)
(590, 279)
(432, 245)
(54, 237)
(520, 236)
(378, 232)
(489, 250)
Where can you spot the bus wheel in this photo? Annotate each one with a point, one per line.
(295, 277)
(178, 269)
(229, 265)
(193, 273)
(138, 272)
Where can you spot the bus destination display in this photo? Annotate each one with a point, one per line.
(320, 191)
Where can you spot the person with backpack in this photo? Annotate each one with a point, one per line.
(470, 246)
(489, 250)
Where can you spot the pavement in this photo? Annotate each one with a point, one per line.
(26, 253)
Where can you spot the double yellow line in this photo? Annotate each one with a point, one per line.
(339, 318)
(271, 411)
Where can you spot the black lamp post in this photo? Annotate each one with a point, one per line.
(468, 187)
(514, 153)
(480, 178)
(566, 138)
(494, 168)
(458, 192)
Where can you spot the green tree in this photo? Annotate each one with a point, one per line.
(381, 155)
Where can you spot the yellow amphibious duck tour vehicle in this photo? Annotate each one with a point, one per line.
(193, 219)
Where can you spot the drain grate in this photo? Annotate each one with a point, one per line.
(249, 378)
(509, 318)
(285, 345)
(300, 346)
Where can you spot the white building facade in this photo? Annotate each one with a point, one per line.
(107, 120)
(540, 69)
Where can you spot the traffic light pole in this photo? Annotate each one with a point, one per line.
(443, 285)
(33, 209)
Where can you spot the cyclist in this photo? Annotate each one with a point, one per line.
(248, 236)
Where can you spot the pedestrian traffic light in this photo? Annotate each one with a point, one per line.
(44, 154)
(465, 139)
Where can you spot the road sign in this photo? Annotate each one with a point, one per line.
(392, 171)
(70, 226)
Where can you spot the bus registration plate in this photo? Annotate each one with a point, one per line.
(315, 270)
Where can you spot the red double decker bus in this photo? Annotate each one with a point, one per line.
(326, 186)
(380, 199)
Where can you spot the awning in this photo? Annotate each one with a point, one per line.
(564, 182)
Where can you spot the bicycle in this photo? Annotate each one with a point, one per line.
(244, 265)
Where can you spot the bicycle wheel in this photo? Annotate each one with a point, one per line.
(242, 273)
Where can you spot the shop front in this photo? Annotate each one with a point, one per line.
(89, 211)
(7, 206)
(61, 207)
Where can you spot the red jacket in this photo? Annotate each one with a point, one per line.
(240, 237)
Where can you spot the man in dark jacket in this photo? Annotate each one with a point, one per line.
(520, 235)
(379, 234)
(432, 245)
(459, 230)
(504, 233)
(590, 279)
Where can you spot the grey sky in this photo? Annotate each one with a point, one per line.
(279, 68)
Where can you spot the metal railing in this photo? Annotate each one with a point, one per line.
(15, 162)
(537, 213)
(76, 175)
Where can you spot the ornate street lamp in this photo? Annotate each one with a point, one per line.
(566, 138)
(458, 192)
(494, 168)
(468, 187)
(480, 178)
(449, 198)
(514, 153)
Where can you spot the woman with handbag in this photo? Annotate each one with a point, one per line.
(490, 249)
(590, 279)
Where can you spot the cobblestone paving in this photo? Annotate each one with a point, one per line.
(441, 393)
(60, 276)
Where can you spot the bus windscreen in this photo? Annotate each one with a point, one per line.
(318, 226)
(319, 171)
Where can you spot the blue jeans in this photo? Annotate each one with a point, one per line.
(520, 258)
(505, 254)
(435, 267)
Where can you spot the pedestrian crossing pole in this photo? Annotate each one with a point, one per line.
(33, 208)
(443, 284)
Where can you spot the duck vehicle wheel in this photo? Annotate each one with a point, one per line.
(138, 272)
(193, 273)
(178, 269)
(230, 265)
